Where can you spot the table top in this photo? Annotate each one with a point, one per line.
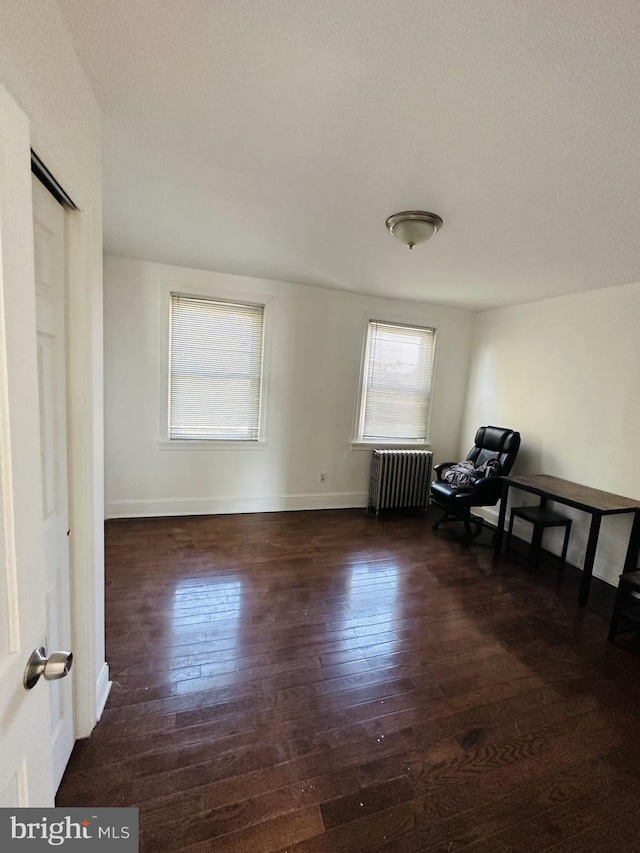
(573, 494)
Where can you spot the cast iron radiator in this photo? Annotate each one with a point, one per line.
(399, 478)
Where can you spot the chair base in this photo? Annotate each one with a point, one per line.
(466, 518)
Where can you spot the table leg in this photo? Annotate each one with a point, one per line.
(589, 559)
(536, 546)
(633, 550)
(497, 538)
(536, 537)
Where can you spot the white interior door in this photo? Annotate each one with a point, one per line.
(49, 257)
(26, 766)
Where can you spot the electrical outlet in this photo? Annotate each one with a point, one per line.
(323, 476)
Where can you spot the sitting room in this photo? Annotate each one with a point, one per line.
(319, 358)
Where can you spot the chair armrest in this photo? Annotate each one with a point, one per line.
(491, 487)
(442, 466)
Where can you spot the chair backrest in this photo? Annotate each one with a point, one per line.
(494, 442)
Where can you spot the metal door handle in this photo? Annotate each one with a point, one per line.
(57, 665)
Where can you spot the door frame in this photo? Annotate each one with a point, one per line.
(85, 473)
(84, 405)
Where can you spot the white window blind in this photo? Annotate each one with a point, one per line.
(396, 386)
(215, 369)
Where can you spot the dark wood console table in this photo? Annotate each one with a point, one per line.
(586, 499)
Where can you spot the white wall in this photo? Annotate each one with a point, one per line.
(565, 372)
(40, 70)
(315, 348)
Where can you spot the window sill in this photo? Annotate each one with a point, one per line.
(390, 445)
(212, 444)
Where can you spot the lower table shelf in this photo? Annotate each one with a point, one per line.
(626, 610)
(541, 518)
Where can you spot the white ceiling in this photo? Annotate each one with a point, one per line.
(273, 138)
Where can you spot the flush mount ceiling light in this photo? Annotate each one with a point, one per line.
(413, 226)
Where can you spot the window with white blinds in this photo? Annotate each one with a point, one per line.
(215, 369)
(396, 383)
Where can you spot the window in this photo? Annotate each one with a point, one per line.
(215, 369)
(396, 383)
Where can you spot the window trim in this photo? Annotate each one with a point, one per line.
(217, 294)
(360, 443)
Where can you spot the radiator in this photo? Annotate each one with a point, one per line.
(399, 478)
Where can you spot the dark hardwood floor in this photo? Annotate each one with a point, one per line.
(329, 681)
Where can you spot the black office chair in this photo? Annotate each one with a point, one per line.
(491, 442)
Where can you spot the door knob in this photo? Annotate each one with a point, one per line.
(57, 665)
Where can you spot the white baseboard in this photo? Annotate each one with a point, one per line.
(223, 506)
(103, 688)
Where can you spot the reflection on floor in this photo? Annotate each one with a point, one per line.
(329, 681)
